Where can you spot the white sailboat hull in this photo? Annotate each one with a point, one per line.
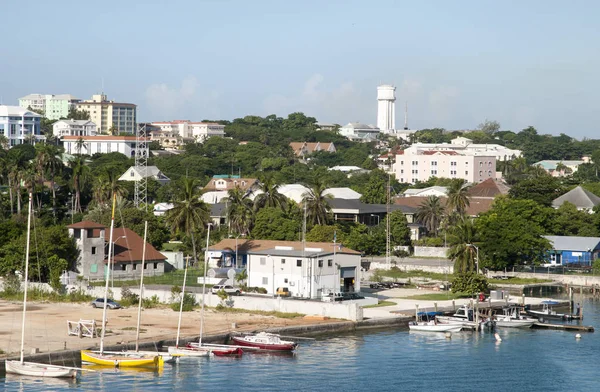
(188, 352)
(38, 370)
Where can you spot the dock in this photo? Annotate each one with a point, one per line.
(564, 327)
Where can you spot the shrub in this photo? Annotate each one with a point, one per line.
(152, 302)
(470, 283)
(189, 303)
(128, 298)
(11, 286)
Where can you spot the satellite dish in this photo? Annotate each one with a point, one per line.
(231, 273)
(211, 273)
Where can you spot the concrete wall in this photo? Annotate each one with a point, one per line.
(414, 267)
(430, 251)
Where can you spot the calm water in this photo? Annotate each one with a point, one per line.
(391, 360)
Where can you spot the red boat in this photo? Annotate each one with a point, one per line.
(236, 352)
(265, 341)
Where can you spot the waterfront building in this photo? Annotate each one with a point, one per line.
(90, 145)
(136, 174)
(92, 243)
(307, 270)
(581, 198)
(566, 250)
(110, 116)
(54, 107)
(19, 125)
(70, 127)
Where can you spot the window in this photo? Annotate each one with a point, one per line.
(155, 265)
(452, 172)
(434, 172)
(415, 163)
(433, 163)
(480, 164)
(134, 266)
(489, 163)
(263, 261)
(320, 263)
(282, 261)
(480, 173)
(402, 162)
(452, 163)
(401, 171)
(298, 263)
(93, 268)
(285, 280)
(330, 263)
(466, 173)
(265, 280)
(123, 267)
(131, 174)
(93, 250)
(489, 173)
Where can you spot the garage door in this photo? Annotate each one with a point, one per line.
(348, 272)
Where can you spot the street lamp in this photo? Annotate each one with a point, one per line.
(476, 255)
(378, 218)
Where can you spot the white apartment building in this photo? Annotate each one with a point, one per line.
(69, 127)
(466, 145)
(54, 106)
(419, 164)
(19, 125)
(197, 131)
(91, 145)
(110, 116)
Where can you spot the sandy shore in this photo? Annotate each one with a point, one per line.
(46, 328)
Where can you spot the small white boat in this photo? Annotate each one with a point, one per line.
(465, 316)
(432, 326)
(512, 318)
(189, 351)
(38, 369)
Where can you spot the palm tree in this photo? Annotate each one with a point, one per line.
(463, 251)
(318, 210)
(458, 198)
(239, 211)
(431, 213)
(80, 144)
(189, 213)
(107, 184)
(3, 142)
(80, 174)
(270, 196)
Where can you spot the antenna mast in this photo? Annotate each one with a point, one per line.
(141, 167)
(406, 115)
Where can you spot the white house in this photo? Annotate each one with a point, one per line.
(308, 271)
(360, 132)
(73, 128)
(161, 208)
(136, 174)
(185, 129)
(126, 145)
(438, 191)
(19, 125)
(219, 186)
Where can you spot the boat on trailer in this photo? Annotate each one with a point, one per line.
(265, 341)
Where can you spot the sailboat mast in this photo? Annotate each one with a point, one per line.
(181, 303)
(108, 265)
(26, 277)
(204, 286)
(139, 315)
(387, 225)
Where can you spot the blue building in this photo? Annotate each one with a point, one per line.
(573, 250)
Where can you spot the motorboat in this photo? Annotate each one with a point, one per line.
(265, 341)
(512, 318)
(464, 315)
(547, 312)
(236, 352)
(426, 322)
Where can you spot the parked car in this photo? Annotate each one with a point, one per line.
(110, 304)
(228, 289)
(351, 296)
(283, 292)
(376, 285)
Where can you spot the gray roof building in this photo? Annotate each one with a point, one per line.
(581, 198)
(560, 242)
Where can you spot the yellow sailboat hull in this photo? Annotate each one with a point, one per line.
(121, 360)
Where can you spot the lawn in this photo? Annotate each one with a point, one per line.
(173, 278)
(380, 304)
(518, 281)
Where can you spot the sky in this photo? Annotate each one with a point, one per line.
(455, 64)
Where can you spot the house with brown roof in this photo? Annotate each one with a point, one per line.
(218, 187)
(307, 270)
(488, 189)
(92, 240)
(303, 149)
(477, 206)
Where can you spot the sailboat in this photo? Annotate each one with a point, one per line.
(34, 369)
(117, 358)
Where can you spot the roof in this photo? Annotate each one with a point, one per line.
(230, 183)
(293, 192)
(253, 246)
(346, 168)
(357, 125)
(86, 224)
(358, 207)
(477, 206)
(301, 148)
(433, 152)
(218, 209)
(441, 189)
(488, 188)
(151, 171)
(578, 196)
(75, 122)
(583, 244)
(129, 247)
(100, 138)
(342, 193)
(551, 165)
(6, 110)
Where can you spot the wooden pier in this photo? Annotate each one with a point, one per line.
(564, 327)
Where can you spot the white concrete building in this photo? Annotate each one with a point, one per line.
(386, 108)
(135, 174)
(360, 132)
(19, 125)
(54, 106)
(197, 131)
(73, 128)
(419, 164)
(126, 145)
(466, 146)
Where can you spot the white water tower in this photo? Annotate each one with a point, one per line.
(386, 108)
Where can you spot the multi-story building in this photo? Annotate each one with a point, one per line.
(110, 116)
(419, 164)
(19, 125)
(90, 145)
(466, 146)
(73, 128)
(174, 133)
(54, 106)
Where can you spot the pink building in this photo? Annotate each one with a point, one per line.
(415, 164)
